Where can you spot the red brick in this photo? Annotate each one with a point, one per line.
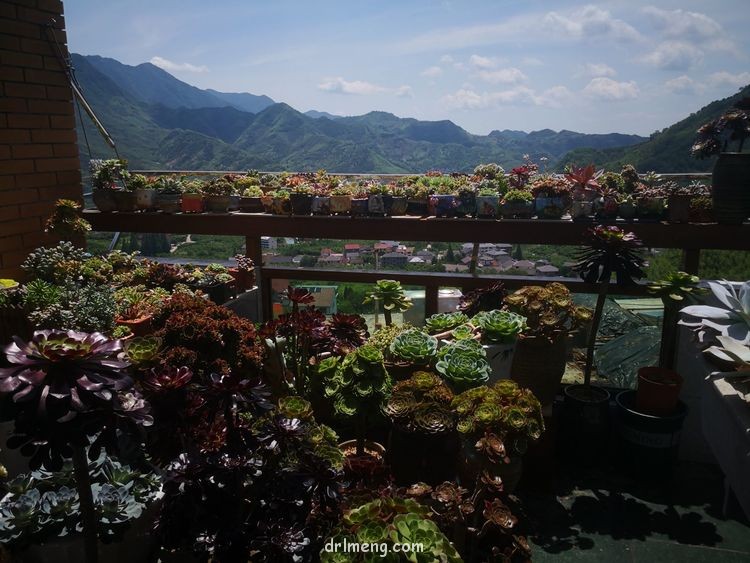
(39, 209)
(7, 11)
(12, 105)
(55, 6)
(59, 93)
(10, 43)
(45, 77)
(36, 46)
(11, 273)
(65, 150)
(35, 240)
(19, 226)
(8, 213)
(72, 176)
(15, 257)
(53, 136)
(32, 151)
(4, 152)
(11, 73)
(53, 193)
(10, 243)
(21, 59)
(16, 197)
(25, 91)
(15, 27)
(36, 180)
(55, 164)
(7, 183)
(14, 136)
(52, 63)
(16, 166)
(28, 121)
(62, 121)
(37, 16)
(50, 107)
(3, 121)
(59, 35)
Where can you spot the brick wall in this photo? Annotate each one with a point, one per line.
(38, 146)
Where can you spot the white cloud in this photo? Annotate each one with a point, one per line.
(602, 88)
(469, 99)
(509, 75)
(177, 67)
(432, 72)
(338, 85)
(446, 59)
(724, 78)
(684, 25)
(594, 70)
(531, 61)
(589, 22)
(477, 61)
(683, 85)
(674, 55)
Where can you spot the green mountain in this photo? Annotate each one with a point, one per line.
(159, 121)
(666, 151)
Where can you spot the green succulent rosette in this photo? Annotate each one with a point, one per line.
(443, 322)
(464, 366)
(295, 407)
(499, 326)
(414, 346)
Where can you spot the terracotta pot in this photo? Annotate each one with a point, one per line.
(539, 365)
(341, 204)
(678, 208)
(192, 203)
(731, 187)
(658, 391)
(139, 327)
(217, 203)
(125, 201)
(104, 199)
(145, 198)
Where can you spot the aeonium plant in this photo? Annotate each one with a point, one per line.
(502, 327)
(414, 346)
(444, 322)
(67, 392)
(463, 364)
(421, 404)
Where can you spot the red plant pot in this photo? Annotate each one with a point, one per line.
(192, 203)
(658, 391)
(139, 327)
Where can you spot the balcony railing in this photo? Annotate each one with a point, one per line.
(690, 238)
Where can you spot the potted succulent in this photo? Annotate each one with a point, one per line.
(321, 201)
(281, 204)
(125, 198)
(422, 444)
(409, 350)
(466, 199)
(341, 200)
(487, 200)
(142, 351)
(702, 210)
(417, 199)
(680, 200)
(358, 389)
(379, 200)
(168, 194)
(463, 364)
(391, 295)
(585, 191)
(107, 176)
(650, 201)
(300, 199)
(94, 397)
(360, 201)
(496, 424)
(250, 200)
(192, 197)
(541, 351)
(136, 306)
(443, 202)
(66, 221)
(215, 280)
(243, 273)
(551, 196)
(731, 197)
(382, 524)
(609, 251)
(217, 192)
(399, 202)
(627, 209)
(440, 325)
(499, 332)
(517, 204)
(145, 194)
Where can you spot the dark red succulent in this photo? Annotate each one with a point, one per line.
(167, 378)
(61, 373)
(483, 299)
(347, 332)
(611, 250)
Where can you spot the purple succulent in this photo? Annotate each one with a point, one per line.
(59, 374)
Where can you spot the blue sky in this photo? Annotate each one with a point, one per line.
(626, 66)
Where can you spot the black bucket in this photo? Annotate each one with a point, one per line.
(648, 444)
(585, 423)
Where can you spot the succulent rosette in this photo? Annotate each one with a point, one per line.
(295, 407)
(463, 365)
(61, 373)
(443, 322)
(164, 379)
(414, 346)
(499, 326)
(433, 419)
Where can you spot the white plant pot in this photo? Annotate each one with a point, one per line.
(500, 357)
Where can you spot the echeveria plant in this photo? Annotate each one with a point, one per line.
(414, 346)
(463, 364)
(499, 326)
(730, 318)
(443, 322)
(421, 404)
